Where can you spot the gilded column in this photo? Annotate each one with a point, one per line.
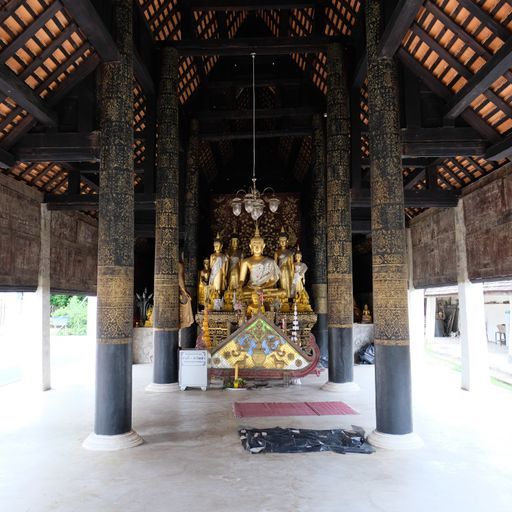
(319, 230)
(188, 335)
(166, 319)
(340, 309)
(389, 259)
(113, 417)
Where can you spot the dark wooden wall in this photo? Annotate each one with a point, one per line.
(74, 250)
(433, 241)
(20, 222)
(488, 216)
(73, 243)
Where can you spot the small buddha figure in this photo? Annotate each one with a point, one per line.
(366, 317)
(284, 259)
(202, 285)
(149, 317)
(186, 315)
(218, 270)
(235, 258)
(259, 271)
(299, 292)
(255, 306)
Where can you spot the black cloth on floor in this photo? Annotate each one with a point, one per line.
(300, 440)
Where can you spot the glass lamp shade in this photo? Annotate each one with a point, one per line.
(236, 206)
(248, 204)
(273, 204)
(257, 209)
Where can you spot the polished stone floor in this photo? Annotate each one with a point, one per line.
(193, 460)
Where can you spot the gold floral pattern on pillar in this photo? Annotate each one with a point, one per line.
(166, 290)
(339, 219)
(116, 201)
(388, 223)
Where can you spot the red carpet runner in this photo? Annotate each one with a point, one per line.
(255, 409)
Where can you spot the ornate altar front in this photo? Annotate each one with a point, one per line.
(221, 324)
(260, 349)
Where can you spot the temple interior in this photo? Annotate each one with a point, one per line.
(301, 210)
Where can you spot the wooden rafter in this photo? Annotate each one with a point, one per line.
(259, 45)
(481, 81)
(25, 97)
(249, 5)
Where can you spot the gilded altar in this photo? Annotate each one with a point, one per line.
(221, 324)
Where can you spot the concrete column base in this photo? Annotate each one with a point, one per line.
(395, 442)
(340, 387)
(103, 443)
(162, 388)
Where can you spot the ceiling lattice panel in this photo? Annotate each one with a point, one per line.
(41, 44)
(454, 39)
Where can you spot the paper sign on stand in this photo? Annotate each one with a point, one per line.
(193, 369)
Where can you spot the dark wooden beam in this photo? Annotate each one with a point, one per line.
(413, 178)
(89, 202)
(484, 17)
(500, 150)
(94, 168)
(245, 82)
(397, 26)
(410, 162)
(259, 45)
(269, 134)
(261, 113)
(499, 63)
(249, 5)
(446, 141)
(25, 97)
(437, 87)
(360, 72)
(29, 31)
(413, 199)
(58, 147)
(91, 24)
(7, 160)
(442, 142)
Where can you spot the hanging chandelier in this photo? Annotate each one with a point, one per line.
(252, 200)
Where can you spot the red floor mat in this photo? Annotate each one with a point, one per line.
(261, 409)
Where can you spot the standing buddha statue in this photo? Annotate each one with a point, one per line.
(218, 270)
(202, 283)
(235, 258)
(284, 259)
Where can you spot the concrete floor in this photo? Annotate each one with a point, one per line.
(193, 459)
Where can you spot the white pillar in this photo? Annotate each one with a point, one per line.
(430, 319)
(416, 300)
(92, 302)
(475, 364)
(508, 330)
(36, 311)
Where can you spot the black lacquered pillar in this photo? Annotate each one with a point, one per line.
(389, 263)
(189, 334)
(113, 414)
(319, 231)
(166, 291)
(340, 308)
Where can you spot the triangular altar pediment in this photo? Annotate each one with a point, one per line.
(259, 344)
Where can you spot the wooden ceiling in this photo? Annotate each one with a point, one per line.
(459, 51)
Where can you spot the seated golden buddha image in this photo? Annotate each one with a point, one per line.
(258, 272)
